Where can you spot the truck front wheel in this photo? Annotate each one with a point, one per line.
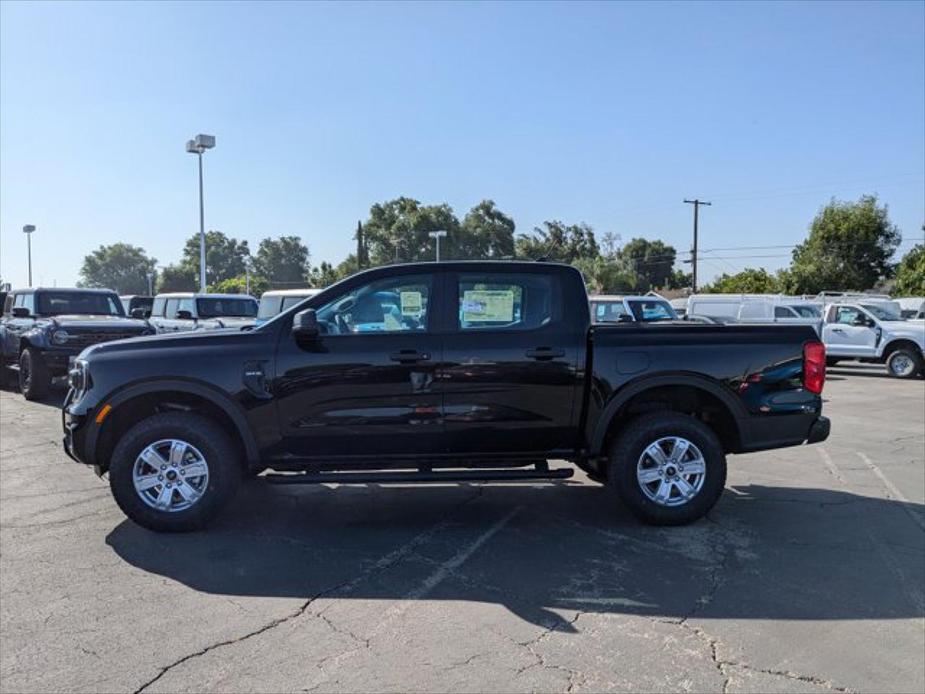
(668, 468)
(904, 363)
(34, 376)
(174, 472)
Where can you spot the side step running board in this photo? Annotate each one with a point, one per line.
(419, 476)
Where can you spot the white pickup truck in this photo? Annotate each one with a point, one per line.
(874, 331)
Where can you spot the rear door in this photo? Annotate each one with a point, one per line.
(509, 375)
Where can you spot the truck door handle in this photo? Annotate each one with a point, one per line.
(838, 330)
(409, 356)
(544, 353)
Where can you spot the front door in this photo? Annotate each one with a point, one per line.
(850, 333)
(365, 387)
(510, 364)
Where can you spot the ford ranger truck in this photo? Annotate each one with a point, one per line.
(441, 372)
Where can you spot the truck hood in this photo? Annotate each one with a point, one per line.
(201, 339)
(231, 321)
(91, 322)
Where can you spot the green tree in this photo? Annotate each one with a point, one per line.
(238, 285)
(651, 261)
(748, 281)
(485, 233)
(178, 278)
(225, 257)
(910, 273)
(605, 276)
(849, 248)
(324, 275)
(397, 231)
(559, 242)
(120, 266)
(282, 261)
(678, 279)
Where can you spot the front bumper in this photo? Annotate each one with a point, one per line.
(75, 429)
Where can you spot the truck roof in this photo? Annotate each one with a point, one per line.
(76, 290)
(308, 291)
(197, 295)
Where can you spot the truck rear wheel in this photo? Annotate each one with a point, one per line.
(34, 376)
(668, 468)
(904, 363)
(174, 472)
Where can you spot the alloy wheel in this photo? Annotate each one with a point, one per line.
(671, 471)
(170, 475)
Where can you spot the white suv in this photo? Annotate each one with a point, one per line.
(874, 331)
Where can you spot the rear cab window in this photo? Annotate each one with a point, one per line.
(506, 301)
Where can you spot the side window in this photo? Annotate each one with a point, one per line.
(784, 312)
(608, 311)
(8, 305)
(505, 301)
(157, 309)
(28, 300)
(394, 304)
(187, 305)
(172, 306)
(847, 315)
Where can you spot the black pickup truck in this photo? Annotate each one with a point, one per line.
(441, 372)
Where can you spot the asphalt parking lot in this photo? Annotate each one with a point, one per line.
(808, 576)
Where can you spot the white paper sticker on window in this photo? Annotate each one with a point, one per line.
(411, 304)
(484, 306)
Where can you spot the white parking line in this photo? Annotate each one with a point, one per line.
(886, 554)
(898, 495)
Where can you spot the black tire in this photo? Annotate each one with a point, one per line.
(629, 446)
(223, 460)
(909, 356)
(34, 376)
(831, 361)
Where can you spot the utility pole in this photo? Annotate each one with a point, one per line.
(696, 203)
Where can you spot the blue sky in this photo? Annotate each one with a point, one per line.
(609, 114)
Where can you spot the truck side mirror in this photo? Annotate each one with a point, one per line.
(862, 321)
(183, 314)
(625, 318)
(305, 324)
(137, 313)
(20, 312)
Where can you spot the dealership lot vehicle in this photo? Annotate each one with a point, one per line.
(610, 308)
(43, 328)
(874, 331)
(442, 373)
(187, 311)
(756, 308)
(278, 300)
(136, 305)
(539, 586)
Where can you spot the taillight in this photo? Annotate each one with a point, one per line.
(814, 366)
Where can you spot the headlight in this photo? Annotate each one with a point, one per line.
(60, 337)
(78, 377)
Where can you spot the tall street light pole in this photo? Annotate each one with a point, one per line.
(27, 230)
(696, 203)
(437, 235)
(197, 146)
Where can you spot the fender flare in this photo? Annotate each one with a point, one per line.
(216, 397)
(634, 388)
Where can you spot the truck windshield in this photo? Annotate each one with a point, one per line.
(221, 308)
(882, 312)
(652, 310)
(87, 303)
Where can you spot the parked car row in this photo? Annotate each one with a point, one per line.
(43, 329)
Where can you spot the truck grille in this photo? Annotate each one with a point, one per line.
(87, 339)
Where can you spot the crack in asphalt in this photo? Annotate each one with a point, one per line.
(540, 659)
(381, 565)
(722, 665)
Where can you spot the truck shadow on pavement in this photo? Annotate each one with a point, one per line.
(551, 552)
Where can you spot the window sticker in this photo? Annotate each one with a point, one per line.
(411, 304)
(483, 305)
